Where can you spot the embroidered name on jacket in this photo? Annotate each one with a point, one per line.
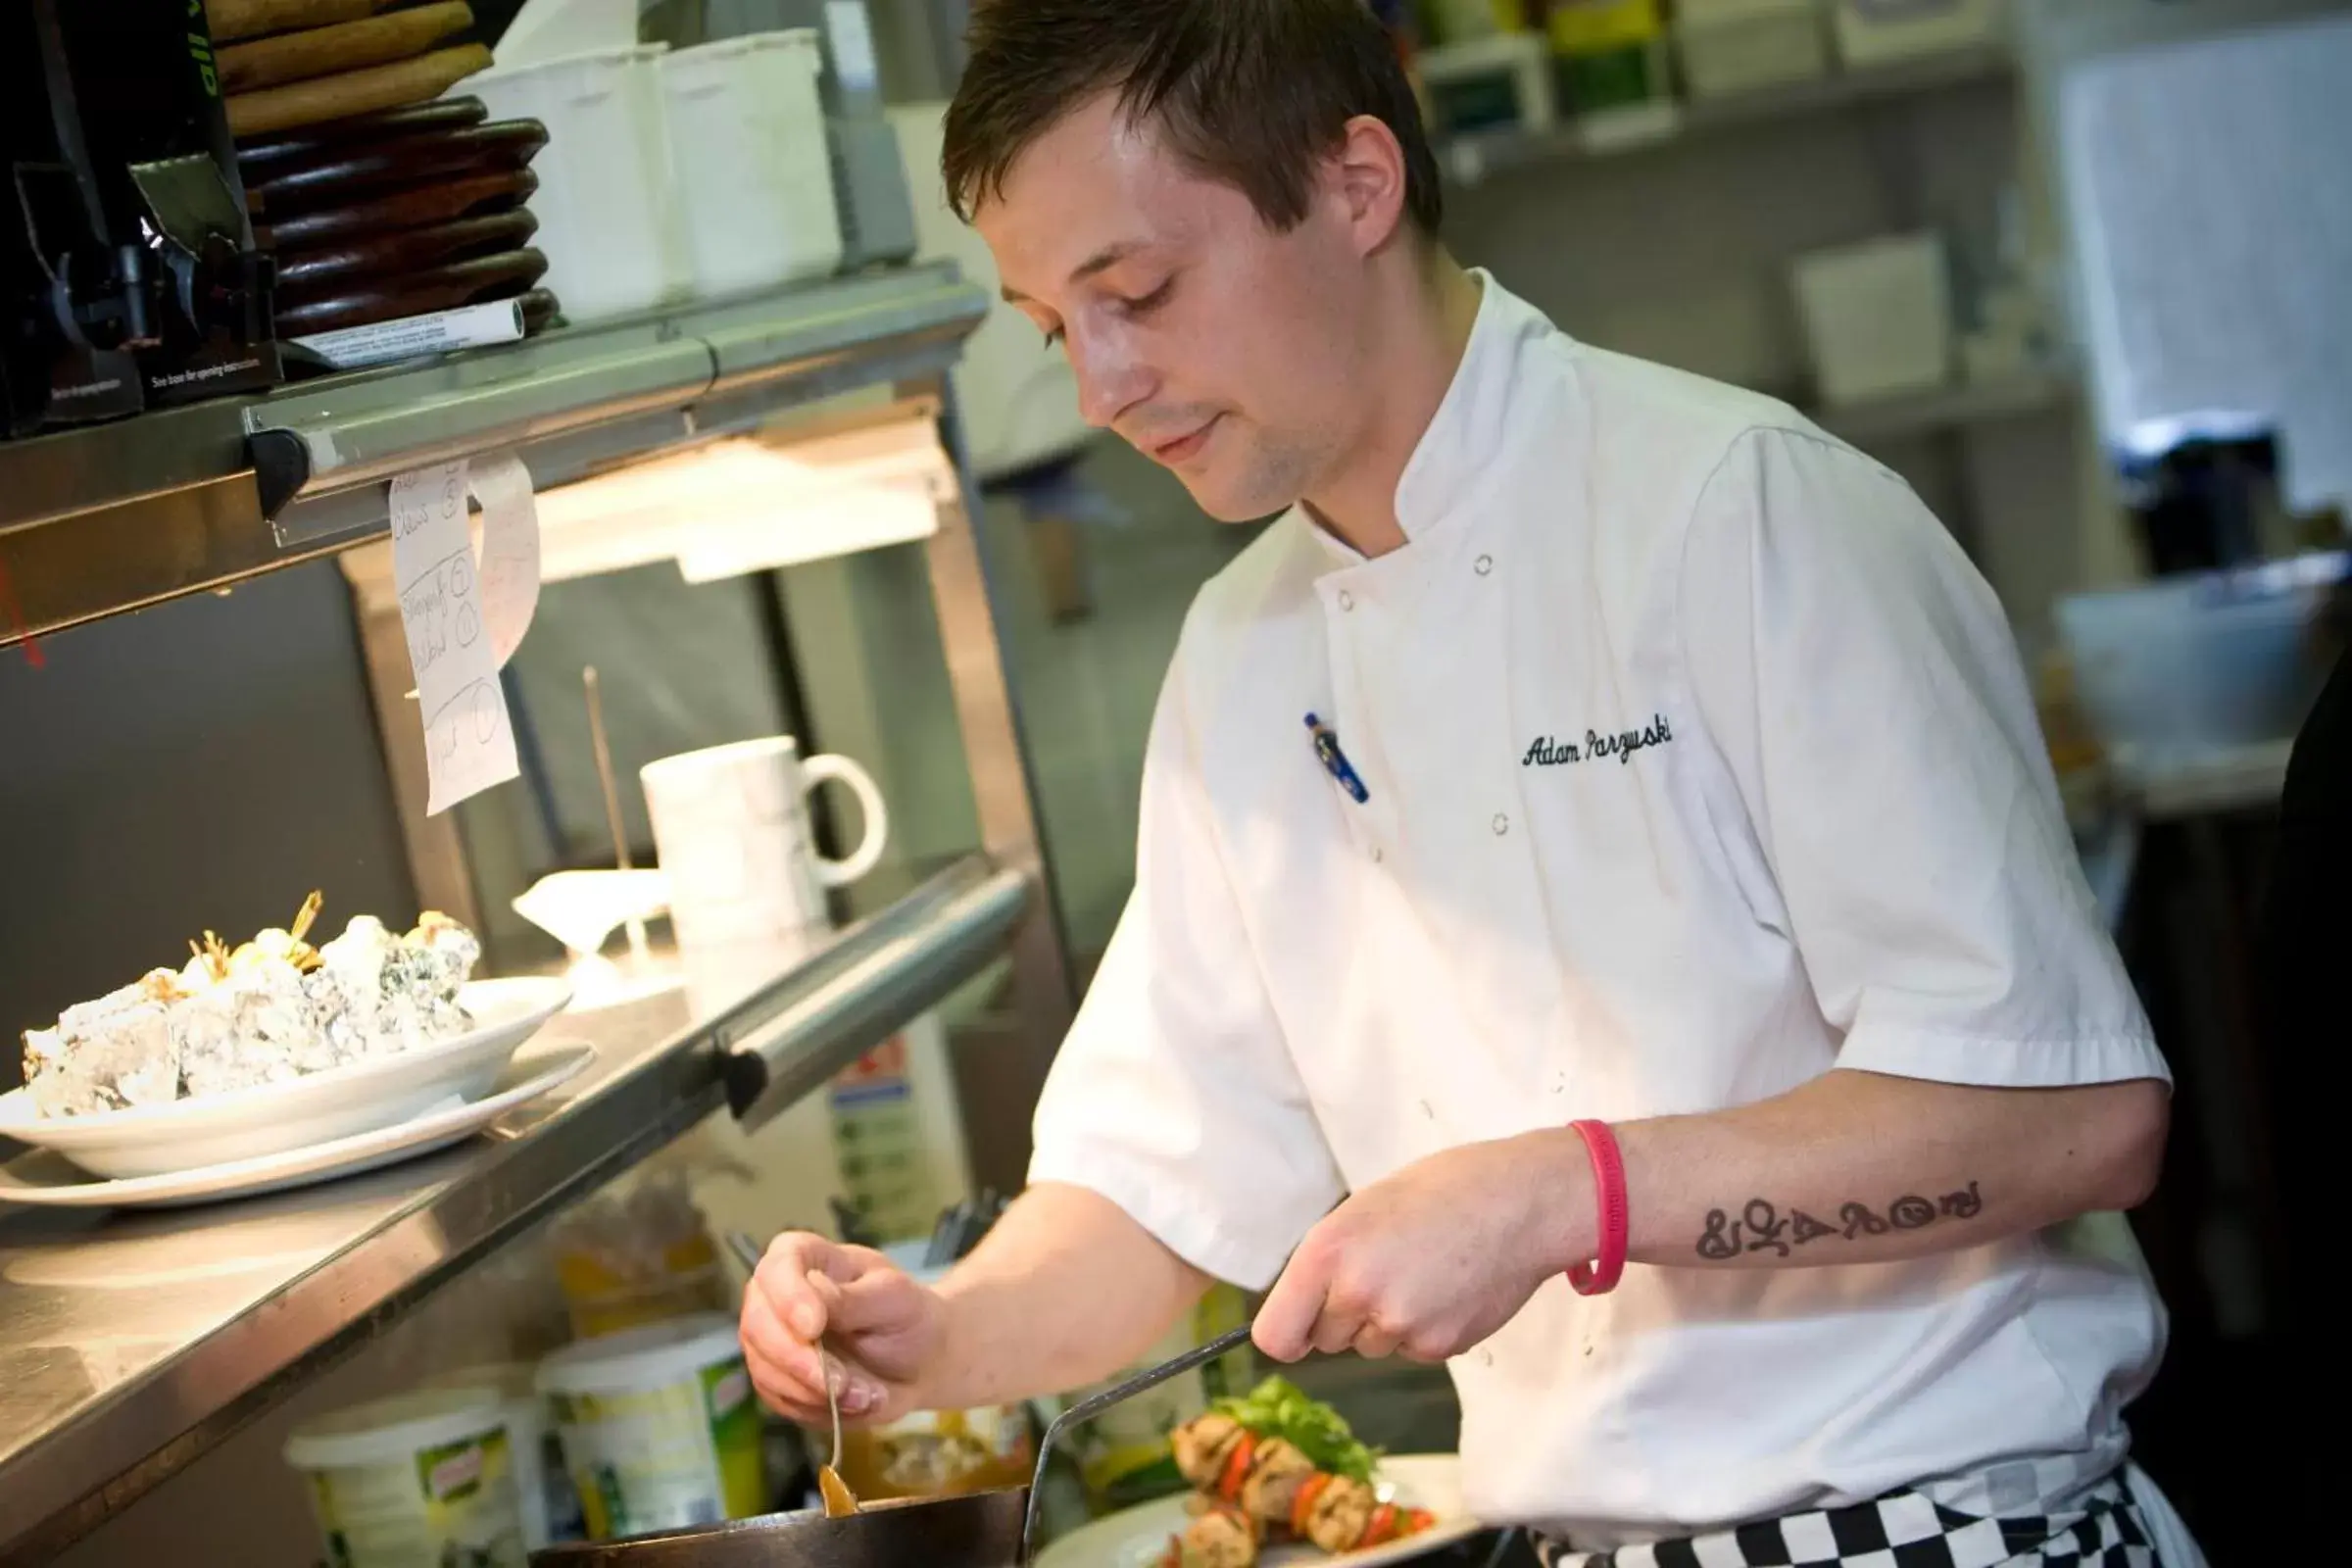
(1549, 753)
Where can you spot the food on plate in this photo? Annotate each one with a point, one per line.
(266, 1012)
(1291, 1469)
(1219, 1537)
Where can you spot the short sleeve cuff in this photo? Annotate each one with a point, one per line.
(1195, 1225)
(1993, 1063)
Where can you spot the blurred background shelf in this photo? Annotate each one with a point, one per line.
(1948, 408)
(1477, 156)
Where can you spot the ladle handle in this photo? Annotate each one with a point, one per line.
(1088, 1409)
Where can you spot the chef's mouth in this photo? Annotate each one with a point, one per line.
(1183, 447)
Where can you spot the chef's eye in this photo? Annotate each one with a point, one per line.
(1145, 304)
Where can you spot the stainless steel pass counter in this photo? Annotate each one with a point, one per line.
(132, 1342)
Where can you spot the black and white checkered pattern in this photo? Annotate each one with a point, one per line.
(1903, 1530)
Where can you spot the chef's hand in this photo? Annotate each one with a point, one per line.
(879, 1323)
(1429, 1262)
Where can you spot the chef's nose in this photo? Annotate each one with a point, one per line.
(1112, 376)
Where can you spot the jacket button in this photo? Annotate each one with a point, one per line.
(1347, 599)
(1378, 855)
(1483, 565)
(1502, 824)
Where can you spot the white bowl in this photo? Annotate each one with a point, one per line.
(360, 1097)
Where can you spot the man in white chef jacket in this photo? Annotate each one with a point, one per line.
(1586, 742)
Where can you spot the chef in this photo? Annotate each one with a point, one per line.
(1603, 919)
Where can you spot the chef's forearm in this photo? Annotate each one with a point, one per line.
(1858, 1167)
(1066, 1290)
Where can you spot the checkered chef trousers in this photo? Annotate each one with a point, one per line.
(1902, 1530)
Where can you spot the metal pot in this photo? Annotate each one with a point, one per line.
(986, 1530)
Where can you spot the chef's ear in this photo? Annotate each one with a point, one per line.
(1366, 175)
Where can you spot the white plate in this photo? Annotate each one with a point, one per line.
(1135, 1538)
(364, 1096)
(47, 1179)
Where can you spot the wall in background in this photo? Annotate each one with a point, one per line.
(204, 763)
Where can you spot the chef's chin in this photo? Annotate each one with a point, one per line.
(1247, 491)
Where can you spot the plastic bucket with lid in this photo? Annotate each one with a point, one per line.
(755, 172)
(551, 1512)
(421, 1477)
(660, 1427)
(607, 219)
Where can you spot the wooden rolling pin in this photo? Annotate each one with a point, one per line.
(346, 46)
(250, 18)
(353, 92)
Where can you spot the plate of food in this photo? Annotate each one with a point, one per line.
(46, 1179)
(273, 1046)
(1280, 1481)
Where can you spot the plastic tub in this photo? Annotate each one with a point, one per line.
(421, 1478)
(754, 175)
(551, 1510)
(607, 220)
(660, 1427)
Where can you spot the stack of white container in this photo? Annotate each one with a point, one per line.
(669, 174)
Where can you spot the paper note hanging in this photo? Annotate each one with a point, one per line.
(510, 547)
(468, 737)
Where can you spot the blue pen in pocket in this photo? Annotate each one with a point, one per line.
(1334, 762)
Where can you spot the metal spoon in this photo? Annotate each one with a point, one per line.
(839, 1501)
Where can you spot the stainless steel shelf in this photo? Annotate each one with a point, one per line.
(130, 1344)
(1477, 156)
(118, 516)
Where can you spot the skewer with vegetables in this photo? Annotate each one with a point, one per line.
(1278, 1466)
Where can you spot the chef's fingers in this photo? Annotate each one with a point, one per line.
(782, 1363)
(1342, 1319)
(1286, 1322)
(885, 1301)
(1373, 1341)
(783, 1278)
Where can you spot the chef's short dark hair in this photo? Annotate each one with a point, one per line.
(1248, 92)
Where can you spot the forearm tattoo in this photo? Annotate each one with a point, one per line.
(1763, 1228)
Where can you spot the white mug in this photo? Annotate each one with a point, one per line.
(746, 886)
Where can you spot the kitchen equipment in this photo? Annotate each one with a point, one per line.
(660, 1426)
(420, 1478)
(419, 293)
(256, 154)
(361, 1097)
(128, 260)
(2198, 665)
(746, 886)
(1877, 317)
(332, 173)
(875, 208)
(353, 92)
(47, 1180)
(1736, 46)
(606, 207)
(250, 18)
(309, 274)
(985, 1530)
(549, 1504)
(346, 46)
(754, 180)
(501, 190)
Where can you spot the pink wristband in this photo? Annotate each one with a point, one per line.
(1599, 1276)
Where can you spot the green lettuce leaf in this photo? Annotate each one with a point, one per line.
(1278, 1408)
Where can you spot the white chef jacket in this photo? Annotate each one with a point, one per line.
(1700, 761)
